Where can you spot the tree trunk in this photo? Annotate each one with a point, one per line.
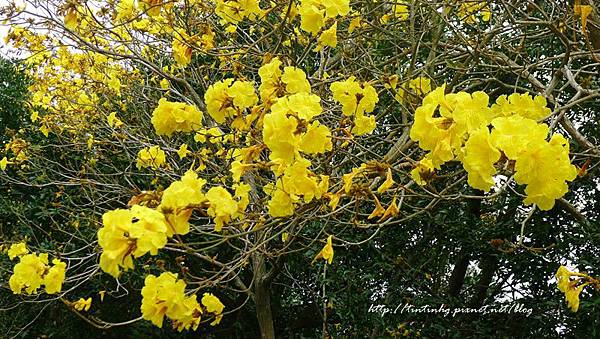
(488, 266)
(262, 298)
(458, 274)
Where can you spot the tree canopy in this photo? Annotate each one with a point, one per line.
(300, 168)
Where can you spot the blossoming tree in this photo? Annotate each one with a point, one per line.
(193, 147)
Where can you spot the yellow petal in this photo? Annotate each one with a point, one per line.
(389, 181)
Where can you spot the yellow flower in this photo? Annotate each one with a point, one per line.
(348, 178)
(226, 98)
(177, 200)
(525, 105)
(182, 48)
(55, 276)
(418, 86)
(214, 135)
(468, 10)
(304, 105)
(316, 140)
(152, 157)
(213, 305)
(312, 16)
(423, 171)
(391, 211)
(572, 296)
(149, 229)
(355, 98)
(298, 180)
(584, 11)
(389, 182)
(164, 84)
(458, 114)
(163, 296)
(32, 271)
(401, 11)
(83, 304)
(71, 18)
(3, 163)
(295, 80)
(571, 288)
(327, 38)
(270, 74)
(113, 121)
(128, 233)
(125, 10)
(364, 124)
(479, 159)
(169, 117)
(281, 204)
(222, 206)
(17, 250)
(355, 23)
(152, 7)
(114, 239)
(378, 211)
(279, 135)
(183, 151)
(336, 7)
(327, 251)
(313, 13)
(545, 167)
(515, 134)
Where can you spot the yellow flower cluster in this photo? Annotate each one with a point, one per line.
(525, 105)
(19, 148)
(356, 100)
(165, 296)
(222, 206)
(228, 99)
(314, 13)
(33, 271)
(456, 126)
(130, 233)
(544, 166)
(289, 129)
(62, 77)
(296, 181)
(153, 7)
(275, 84)
(152, 157)
(234, 11)
(282, 131)
(178, 201)
(169, 117)
(17, 250)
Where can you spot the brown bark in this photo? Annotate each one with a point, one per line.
(262, 297)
